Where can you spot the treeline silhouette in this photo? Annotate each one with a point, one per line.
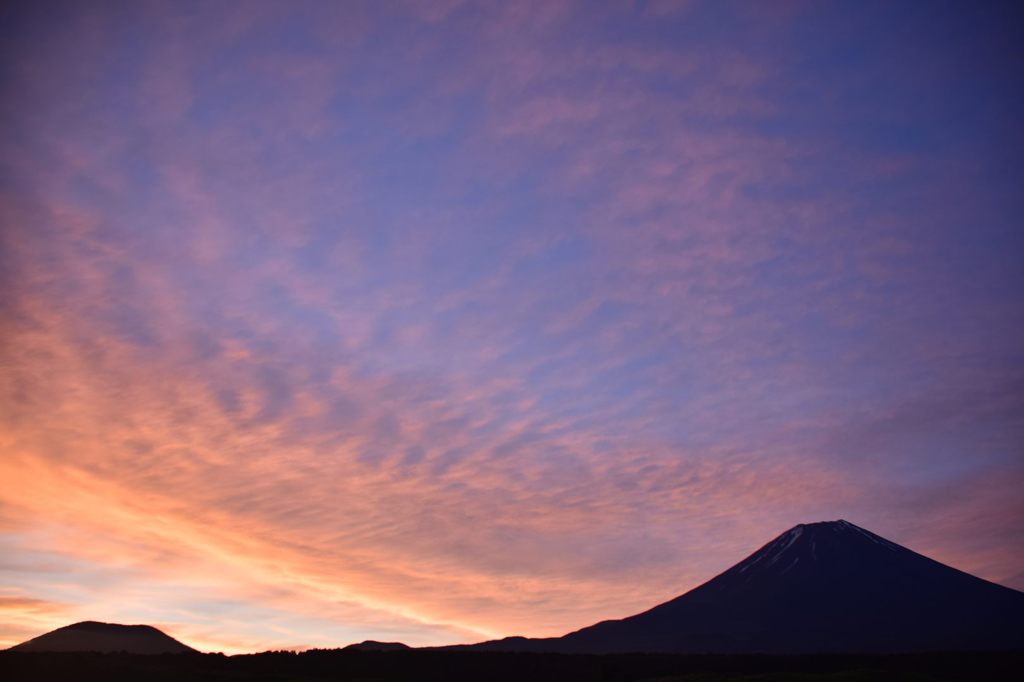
(468, 666)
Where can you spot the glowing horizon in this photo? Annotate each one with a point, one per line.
(447, 321)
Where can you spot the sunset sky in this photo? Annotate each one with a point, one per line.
(444, 321)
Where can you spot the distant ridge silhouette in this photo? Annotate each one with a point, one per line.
(105, 638)
(373, 645)
(818, 587)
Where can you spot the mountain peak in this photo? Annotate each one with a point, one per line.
(837, 526)
(837, 542)
(820, 587)
(838, 523)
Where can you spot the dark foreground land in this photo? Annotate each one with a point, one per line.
(457, 666)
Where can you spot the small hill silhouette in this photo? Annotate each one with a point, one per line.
(373, 645)
(105, 638)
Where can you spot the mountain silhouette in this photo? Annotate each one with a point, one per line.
(374, 645)
(818, 587)
(105, 638)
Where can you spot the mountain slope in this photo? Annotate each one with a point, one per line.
(819, 587)
(105, 637)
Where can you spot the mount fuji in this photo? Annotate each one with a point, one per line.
(818, 587)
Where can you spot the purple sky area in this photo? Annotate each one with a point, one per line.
(448, 320)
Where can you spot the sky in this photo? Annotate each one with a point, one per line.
(445, 321)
